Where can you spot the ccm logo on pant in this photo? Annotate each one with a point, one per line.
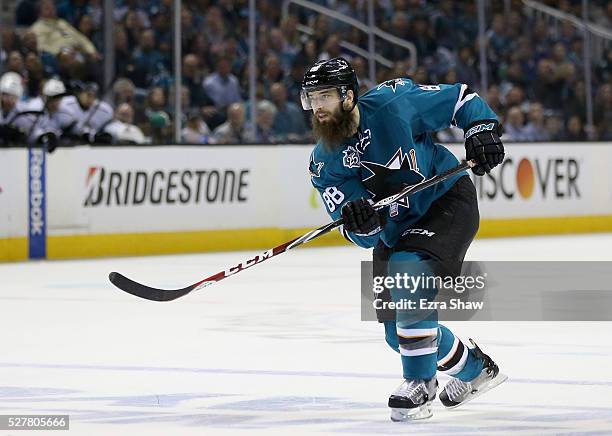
(419, 232)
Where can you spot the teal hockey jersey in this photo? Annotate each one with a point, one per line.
(394, 148)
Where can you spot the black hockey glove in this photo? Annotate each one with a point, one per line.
(49, 140)
(11, 135)
(360, 218)
(103, 138)
(483, 145)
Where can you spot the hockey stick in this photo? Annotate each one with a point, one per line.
(149, 293)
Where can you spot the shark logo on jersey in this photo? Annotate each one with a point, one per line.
(385, 180)
(393, 84)
(352, 154)
(314, 168)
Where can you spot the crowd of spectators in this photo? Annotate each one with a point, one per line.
(535, 75)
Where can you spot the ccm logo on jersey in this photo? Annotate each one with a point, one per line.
(419, 232)
(249, 262)
(479, 128)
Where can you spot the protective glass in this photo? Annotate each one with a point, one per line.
(320, 98)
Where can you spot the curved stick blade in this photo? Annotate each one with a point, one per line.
(147, 292)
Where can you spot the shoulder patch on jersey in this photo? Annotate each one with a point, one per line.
(314, 168)
(352, 154)
(351, 157)
(393, 84)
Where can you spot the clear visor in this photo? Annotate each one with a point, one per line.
(320, 98)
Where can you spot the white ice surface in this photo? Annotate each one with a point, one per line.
(278, 349)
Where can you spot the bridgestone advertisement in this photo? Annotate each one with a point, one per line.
(177, 189)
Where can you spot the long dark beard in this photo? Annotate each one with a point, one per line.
(332, 133)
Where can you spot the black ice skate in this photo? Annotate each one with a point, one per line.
(412, 400)
(457, 392)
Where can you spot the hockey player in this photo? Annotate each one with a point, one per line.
(367, 149)
(11, 91)
(19, 124)
(91, 114)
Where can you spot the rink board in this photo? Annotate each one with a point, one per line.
(112, 201)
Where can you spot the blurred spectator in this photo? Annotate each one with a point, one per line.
(420, 76)
(232, 50)
(293, 81)
(124, 67)
(156, 100)
(515, 97)
(195, 131)
(222, 86)
(15, 63)
(53, 33)
(332, 48)
(494, 99)
(576, 100)
(444, 25)
(264, 129)
(466, 67)
(535, 130)
(361, 70)
(148, 61)
(122, 9)
(185, 100)
(10, 42)
(34, 73)
(192, 79)
(124, 91)
(423, 37)
(272, 72)
(547, 85)
(514, 128)
(233, 130)
(26, 12)
(603, 112)
(289, 122)
(160, 128)
(134, 24)
(281, 48)
(575, 130)
(122, 127)
(554, 127)
(70, 65)
(214, 29)
(498, 42)
(309, 52)
(87, 28)
(321, 32)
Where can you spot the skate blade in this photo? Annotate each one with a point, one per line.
(498, 380)
(422, 412)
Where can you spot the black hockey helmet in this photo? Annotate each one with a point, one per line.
(333, 73)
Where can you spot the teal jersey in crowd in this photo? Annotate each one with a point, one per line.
(393, 148)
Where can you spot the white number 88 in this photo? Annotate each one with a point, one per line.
(333, 197)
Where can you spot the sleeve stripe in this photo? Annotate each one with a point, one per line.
(346, 235)
(463, 99)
